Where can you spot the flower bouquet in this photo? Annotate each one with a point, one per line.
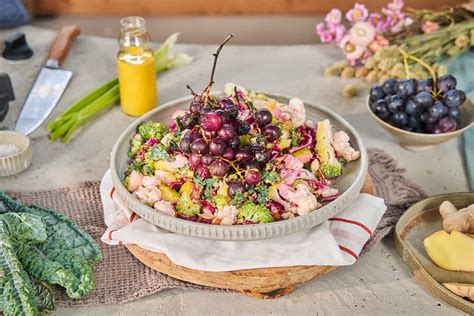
(377, 44)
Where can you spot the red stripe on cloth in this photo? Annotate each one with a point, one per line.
(132, 217)
(110, 234)
(349, 251)
(112, 193)
(344, 220)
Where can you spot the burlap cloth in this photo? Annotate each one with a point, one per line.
(121, 278)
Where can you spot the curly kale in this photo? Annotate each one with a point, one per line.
(238, 198)
(256, 213)
(152, 129)
(17, 295)
(157, 152)
(270, 177)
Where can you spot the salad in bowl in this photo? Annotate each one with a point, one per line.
(244, 158)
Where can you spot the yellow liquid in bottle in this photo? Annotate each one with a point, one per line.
(137, 81)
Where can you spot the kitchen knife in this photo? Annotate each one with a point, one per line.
(49, 85)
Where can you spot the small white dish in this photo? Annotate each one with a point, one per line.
(16, 162)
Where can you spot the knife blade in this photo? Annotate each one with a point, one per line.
(49, 85)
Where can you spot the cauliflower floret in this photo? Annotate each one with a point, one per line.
(314, 166)
(289, 176)
(150, 181)
(164, 207)
(229, 89)
(149, 195)
(328, 191)
(340, 142)
(299, 200)
(295, 109)
(292, 162)
(228, 215)
(135, 181)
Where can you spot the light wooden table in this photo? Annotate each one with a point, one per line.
(379, 283)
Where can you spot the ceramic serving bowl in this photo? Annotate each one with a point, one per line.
(17, 162)
(349, 184)
(419, 141)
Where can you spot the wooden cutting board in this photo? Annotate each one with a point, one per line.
(259, 283)
(417, 223)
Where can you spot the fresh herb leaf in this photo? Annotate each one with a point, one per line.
(343, 161)
(179, 125)
(295, 137)
(135, 165)
(261, 193)
(207, 185)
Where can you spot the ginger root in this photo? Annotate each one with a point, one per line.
(454, 251)
(461, 289)
(457, 220)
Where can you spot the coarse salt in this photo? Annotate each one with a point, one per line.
(8, 150)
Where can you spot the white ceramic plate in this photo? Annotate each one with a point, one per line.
(349, 184)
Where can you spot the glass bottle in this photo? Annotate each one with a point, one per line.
(136, 68)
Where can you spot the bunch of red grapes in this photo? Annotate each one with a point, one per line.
(212, 142)
(418, 106)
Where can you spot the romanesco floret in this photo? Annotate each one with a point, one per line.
(152, 129)
(250, 211)
(186, 206)
(330, 166)
(135, 146)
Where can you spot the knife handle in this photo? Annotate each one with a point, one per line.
(62, 43)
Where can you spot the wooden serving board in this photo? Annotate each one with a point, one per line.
(259, 283)
(418, 222)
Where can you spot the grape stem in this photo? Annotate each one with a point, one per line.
(192, 91)
(406, 56)
(216, 56)
(231, 163)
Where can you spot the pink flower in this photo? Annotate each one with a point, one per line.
(396, 5)
(429, 27)
(378, 43)
(362, 34)
(320, 27)
(337, 32)
(334, 17)
(358, 13)
(352, 52)
(378, 22)
(393, 17)
(326, 37)
(329, 33)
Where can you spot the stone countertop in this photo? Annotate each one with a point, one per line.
(378, 283)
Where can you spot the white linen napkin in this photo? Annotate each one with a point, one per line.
(336, 242)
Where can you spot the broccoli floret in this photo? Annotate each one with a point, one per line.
(331, 171)
(330, 166)
(186, 206)
(152, 129)
(135, 146)
(250, 211)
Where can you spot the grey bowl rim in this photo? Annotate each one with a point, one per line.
(351, 193)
